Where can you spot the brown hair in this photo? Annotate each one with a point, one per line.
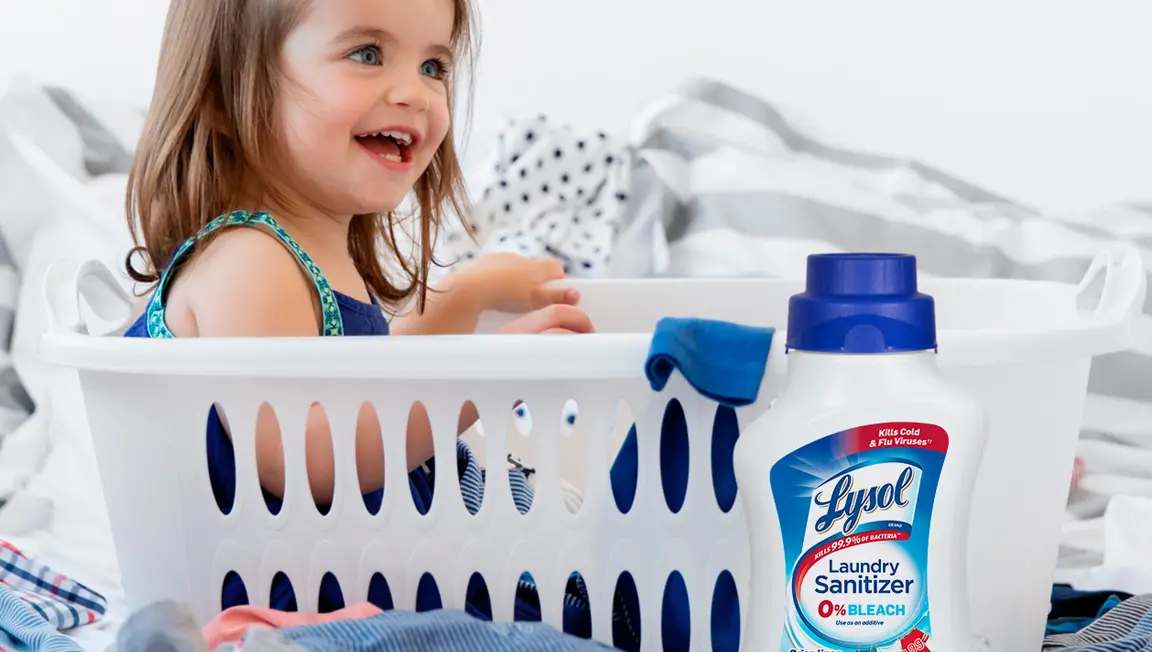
(208, 129)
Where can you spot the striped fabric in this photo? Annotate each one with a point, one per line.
(60, 601)
(23, 629)
(576, 597)
(472, 480)
(435, 631)
(1126, 628)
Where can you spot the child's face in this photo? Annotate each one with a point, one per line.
(356, 68)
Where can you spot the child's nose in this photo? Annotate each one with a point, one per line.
(408, 91)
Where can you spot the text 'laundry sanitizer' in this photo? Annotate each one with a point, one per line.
(857, 481)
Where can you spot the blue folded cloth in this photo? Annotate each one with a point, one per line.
(721, 360)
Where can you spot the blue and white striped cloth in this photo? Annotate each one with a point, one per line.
(22, 629)
(434, 631)
(1125, 628)
(472, 481)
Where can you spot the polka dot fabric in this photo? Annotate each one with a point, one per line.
(556, 192)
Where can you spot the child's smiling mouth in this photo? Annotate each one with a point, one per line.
(392, 146)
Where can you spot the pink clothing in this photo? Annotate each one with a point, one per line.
(231, 625)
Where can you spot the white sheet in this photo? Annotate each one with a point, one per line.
(49, 208)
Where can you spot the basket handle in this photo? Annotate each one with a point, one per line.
(63, 288)
(1125, 286)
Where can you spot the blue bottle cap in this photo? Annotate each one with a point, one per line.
(861, 303)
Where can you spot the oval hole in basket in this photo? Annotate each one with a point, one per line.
(725, 614)
(331, 598)
(725, 432)
(568, 416)
(676, 615)
(578, 622)
(521, 418)
(674, 456)
(428, 594)
(571, 458)
(282, 597)
(422, 492)
(626, 635)
(221, 459)
(478, 600)
(379, 593)
(472, 478)
(270, 441)
(233, 593)
(624, 458)
(527, 606)
(370, 457)
(320, 458)
(520, 456)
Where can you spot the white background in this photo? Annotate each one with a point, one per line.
(1047, 101)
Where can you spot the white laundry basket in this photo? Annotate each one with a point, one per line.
(1023, 347)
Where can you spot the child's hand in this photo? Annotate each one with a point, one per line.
(555, 319)
(510, 283)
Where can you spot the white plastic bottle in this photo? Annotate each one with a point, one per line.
(856, 483)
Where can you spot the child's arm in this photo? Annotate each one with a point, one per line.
(505, 283)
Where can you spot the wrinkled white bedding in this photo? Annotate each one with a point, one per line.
(55, 208)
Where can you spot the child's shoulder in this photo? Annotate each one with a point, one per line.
(244, 282)
(242, 252)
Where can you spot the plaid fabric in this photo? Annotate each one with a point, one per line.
(60, 600)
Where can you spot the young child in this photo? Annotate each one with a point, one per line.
(282, 137)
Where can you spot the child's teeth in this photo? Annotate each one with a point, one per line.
(393, 158)
(399, 137)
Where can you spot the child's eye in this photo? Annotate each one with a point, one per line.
(368, 55)
(432, 68)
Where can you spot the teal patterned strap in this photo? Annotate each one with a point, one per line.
(333, 324)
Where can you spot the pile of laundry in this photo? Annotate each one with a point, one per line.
(171, 626)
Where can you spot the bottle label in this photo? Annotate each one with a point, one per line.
(855, 509)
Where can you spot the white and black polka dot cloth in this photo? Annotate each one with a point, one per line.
(555, 192)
